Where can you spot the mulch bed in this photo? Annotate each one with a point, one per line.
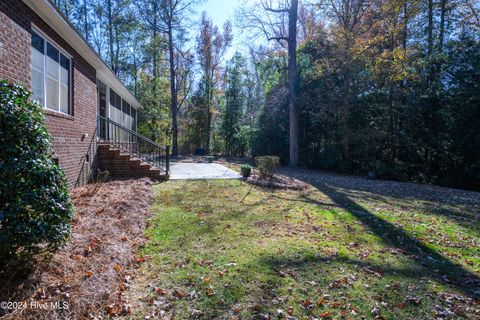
(277, 181)
(92, 271)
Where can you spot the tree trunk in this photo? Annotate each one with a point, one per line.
(430, 42)
(135, 75)
(110, 31)
(209, 92)
(116, 68)
(430, 27)
(292, 82)
(154, 57)
(441, 37)
(173, 90)
(345, 110)
(85, 21)
(405, 25)
(441, 40)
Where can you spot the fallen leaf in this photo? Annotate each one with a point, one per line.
(257, 307)
(179, 294)
(306, 303)
(209, 291)
(320, 301)
(139, 259)
(160, 291)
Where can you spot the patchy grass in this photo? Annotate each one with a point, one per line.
(319, 253)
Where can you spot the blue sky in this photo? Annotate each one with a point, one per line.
(219, 10)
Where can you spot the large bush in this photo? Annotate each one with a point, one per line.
(267, 165)
(35, 206)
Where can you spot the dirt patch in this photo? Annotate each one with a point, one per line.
(89, 275)
(277, 182)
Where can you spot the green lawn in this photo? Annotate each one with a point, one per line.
(305, 254)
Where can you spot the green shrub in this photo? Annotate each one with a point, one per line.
(210, 158)
(35, 207)
(267, 165)
(246, 170)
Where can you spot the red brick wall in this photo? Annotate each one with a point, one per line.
(67, 131)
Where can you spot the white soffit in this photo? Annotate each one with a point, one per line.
(57, 22)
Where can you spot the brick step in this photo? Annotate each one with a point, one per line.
(136, 161)
(115, 158)
(123, 165)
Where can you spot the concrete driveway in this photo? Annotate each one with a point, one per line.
(196, 171)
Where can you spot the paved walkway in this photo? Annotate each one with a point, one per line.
(194, 171)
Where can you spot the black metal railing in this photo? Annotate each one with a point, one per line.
(89, 164)
(133, 143)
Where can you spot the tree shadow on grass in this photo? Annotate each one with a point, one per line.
(463, 215)
(460, 206)
(321, 262)
(450, 273)
(305, 199)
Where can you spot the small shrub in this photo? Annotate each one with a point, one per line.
(267, 165)
(35, 207)
(210, 159)
(246, 170)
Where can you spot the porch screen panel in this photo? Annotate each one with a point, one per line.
(111, 113)
(118, 115)
(122, 113)
(126, 114)
(134, 118)
(130, 117)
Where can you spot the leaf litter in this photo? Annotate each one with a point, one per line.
(94, 269)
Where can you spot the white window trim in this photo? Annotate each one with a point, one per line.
(46, 39)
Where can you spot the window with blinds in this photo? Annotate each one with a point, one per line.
(51, 75)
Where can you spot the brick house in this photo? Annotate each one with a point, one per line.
(90, 115)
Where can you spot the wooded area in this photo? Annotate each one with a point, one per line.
(390, 87)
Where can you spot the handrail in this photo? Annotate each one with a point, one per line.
(133, 143)
(87, 172)
(138, 135)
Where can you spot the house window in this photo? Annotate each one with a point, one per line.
(50, 75)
